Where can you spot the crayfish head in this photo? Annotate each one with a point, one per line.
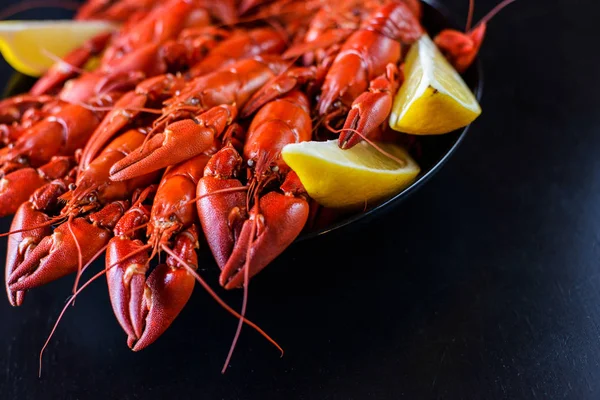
(79, 202)
(161, 231)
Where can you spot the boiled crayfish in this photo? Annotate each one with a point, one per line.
(175, 140)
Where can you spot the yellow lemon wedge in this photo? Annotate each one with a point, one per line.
(433, 99)
(31, 47)
(350, 178)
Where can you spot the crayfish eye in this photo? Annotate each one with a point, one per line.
(251, 163)
(72, 186)
(92, 198)
(194, 101)
(173, 218)
(275, 168)
(21, 159)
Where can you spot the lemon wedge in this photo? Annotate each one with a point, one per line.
(433, 99)
(29, 46)
(350, 178)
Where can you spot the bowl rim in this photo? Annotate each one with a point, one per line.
(424, 178)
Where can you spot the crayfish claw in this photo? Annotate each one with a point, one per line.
(167, 291)
(146, 307)
(179, 142)
(126, 283)
(72, 244)
(28, 274)
(280, 220)
(371, 109)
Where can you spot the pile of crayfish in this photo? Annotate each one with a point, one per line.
(174, 138)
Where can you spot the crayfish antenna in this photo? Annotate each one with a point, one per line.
(69, 302)
(370, 142)
(495, 11)
(45, 224)
(113, 108)
(470, 16)
(83, 268)
(220, 191)
(72, 298)
(63, 63)
(79, 255)
(216, 297)
(244, 301)
(99, 253)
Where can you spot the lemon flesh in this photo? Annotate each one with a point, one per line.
(31, 47)
(350, 178)
(433, 99)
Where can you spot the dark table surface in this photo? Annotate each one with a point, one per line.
(483, 284)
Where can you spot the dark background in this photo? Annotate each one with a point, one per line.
(483, 284)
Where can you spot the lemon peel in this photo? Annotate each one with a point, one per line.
(350, 178)
(31, 47)
(434, 99)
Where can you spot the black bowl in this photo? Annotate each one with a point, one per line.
(434, 150)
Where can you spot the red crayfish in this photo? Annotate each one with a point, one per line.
(172, 144)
